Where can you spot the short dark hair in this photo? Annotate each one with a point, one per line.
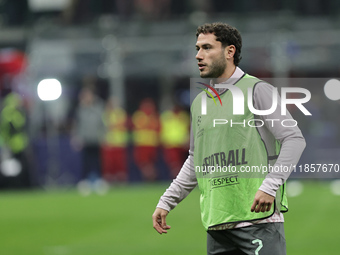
(226, 34)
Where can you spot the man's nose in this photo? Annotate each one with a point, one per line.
(199, 55)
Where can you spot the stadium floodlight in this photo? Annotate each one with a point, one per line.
(332, 89)
(49, 89)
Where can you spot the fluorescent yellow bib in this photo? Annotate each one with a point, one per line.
(221, 153)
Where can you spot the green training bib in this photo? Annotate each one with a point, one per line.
(228, 150)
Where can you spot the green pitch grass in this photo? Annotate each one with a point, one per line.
(64, 223)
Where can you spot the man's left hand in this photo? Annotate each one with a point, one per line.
(262, 202)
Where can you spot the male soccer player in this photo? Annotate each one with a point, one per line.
(242, 215)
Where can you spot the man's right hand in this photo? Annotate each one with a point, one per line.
(158, 219)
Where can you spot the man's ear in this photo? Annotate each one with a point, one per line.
(229, 52)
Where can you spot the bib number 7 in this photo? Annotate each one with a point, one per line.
(260, 245)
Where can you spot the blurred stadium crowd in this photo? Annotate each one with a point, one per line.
(100, 143)
(125, 69)
(23, 12)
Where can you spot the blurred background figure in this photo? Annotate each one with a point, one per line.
(14, 138)
(114, 149)
(15, 171)
(175, 125)
(145, 135)
(153, 9)
(88, 134)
